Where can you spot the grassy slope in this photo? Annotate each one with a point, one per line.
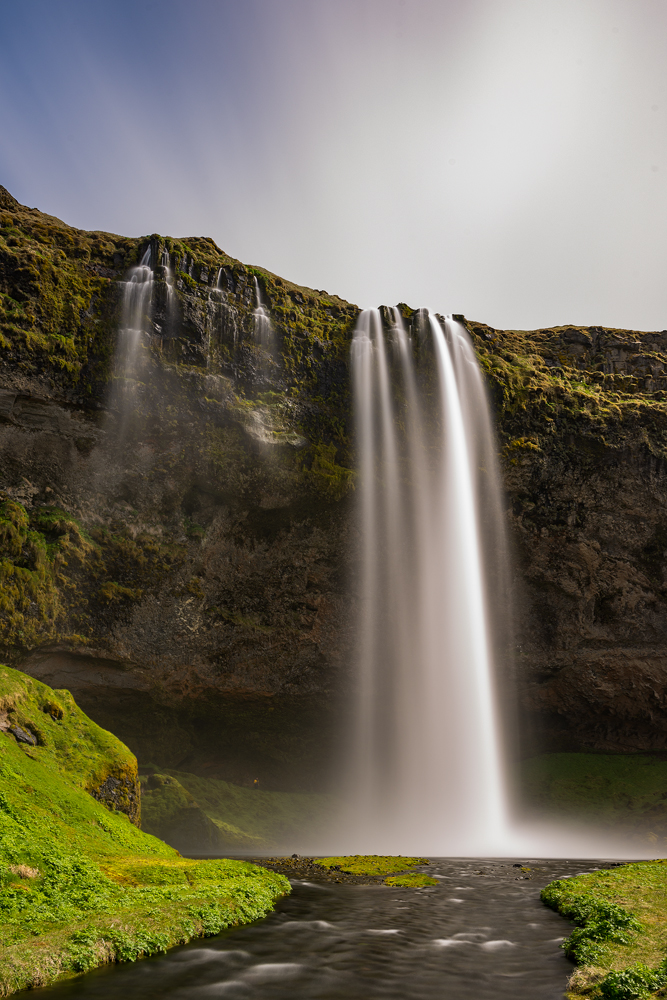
(639, 890)
(261, 817)
(609, 789)
(79, 884)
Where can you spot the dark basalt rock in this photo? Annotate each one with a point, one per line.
(23, 736)
(121, 794)
(194, 586)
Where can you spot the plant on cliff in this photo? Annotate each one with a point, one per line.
(81, 885)
(57, 580)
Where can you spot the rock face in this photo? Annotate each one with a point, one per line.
(186, 565)
(583, 419)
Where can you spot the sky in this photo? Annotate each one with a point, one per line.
(505, 159)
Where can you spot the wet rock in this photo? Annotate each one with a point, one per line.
(23, 736)
(121, 794)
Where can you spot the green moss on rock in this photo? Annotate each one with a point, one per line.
(371, 864)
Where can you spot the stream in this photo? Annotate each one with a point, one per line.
(480, 934)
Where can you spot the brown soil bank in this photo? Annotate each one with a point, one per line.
(191, 579)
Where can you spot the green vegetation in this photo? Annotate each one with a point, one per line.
(374, 864)
(557, 390)
(57, 580)
(620, 938)
(80, 884)
(178, 807)
(609, 789)
(60, 311)
(411, 881)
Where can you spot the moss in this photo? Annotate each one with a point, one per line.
(79, 884)
(68, 742)
(329, 479)
(59, 582)
(172, 814)
(371, 864)
(411, 881)
(30, 604)
(554, 389)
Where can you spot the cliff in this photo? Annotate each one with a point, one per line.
(190, 576)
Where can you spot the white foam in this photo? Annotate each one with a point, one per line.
(273, 970)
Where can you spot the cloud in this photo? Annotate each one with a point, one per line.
(496, 157)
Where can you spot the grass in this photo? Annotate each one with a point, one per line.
(413, 880)
(609, 789)
(620, 940)
(81, 884)
(374, 864)
(258, 818)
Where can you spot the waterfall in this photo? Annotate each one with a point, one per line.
(169, 284)
(263, 328)
(136, 305)
(137, 293)
(429, 773)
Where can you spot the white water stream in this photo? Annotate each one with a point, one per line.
(136, 302)
(263, 327)
(429, 762)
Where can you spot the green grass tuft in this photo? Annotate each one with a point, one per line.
(411, 881)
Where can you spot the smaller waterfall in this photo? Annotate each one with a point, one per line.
(263, 327)
(168, 275)
(136, 307)
(428, 766)
(137, 296)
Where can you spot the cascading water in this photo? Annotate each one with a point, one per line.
(137, 295)
(263, 327)
(136, 301)
(428, 763)
(169, 282)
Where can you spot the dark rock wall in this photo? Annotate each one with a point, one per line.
(189, 574)
(582, 416)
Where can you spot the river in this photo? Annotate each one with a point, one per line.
(480, 934)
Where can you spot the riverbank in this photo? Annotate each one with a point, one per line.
(479, 933)
(80, 884)
(620, 941)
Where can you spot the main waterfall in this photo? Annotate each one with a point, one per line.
(428, 763)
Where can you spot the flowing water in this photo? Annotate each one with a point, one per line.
(136, 303)
(263, 327)
(428, 756)
(137, 293)
(480, 934)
